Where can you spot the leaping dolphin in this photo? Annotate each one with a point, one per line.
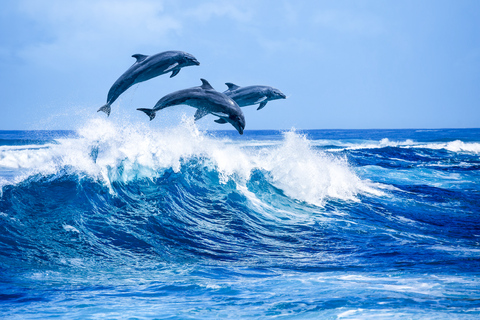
(148, 67)
(207, 100)
(246, 96)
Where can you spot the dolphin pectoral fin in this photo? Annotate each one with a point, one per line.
(175, 72)
(224, 119)
(221, 121)
(262, 105)
(106, 108)
(200, 114)
(140, 57)
(150, 113)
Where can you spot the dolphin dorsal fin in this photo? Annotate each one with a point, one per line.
(232, 86)
(206, 85)
(140, 57)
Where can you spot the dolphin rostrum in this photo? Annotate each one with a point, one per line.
(148, 67)
(246, 96)
(206, 100)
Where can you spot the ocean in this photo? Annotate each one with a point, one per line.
(123, 221)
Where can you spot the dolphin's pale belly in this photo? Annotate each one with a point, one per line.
(148, 73)
(246, 99)
(130, 78)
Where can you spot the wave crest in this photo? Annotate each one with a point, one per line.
(109, 152)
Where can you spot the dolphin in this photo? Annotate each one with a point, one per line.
(146, 68)
(207, 100)
(246, 96)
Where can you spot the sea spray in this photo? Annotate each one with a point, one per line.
(107, 151)
(308, 175)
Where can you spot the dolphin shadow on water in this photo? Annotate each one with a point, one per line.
(146, 68)
(246, 96)
(206, 100)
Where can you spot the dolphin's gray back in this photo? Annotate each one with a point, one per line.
(156, 65)
(140, 71)
(209, 100)
(176, 98)
(245, 96)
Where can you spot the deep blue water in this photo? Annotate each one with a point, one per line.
(119, 221)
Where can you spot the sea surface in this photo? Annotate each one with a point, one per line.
(115, 221)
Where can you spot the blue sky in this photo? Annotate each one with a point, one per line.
(342, 64)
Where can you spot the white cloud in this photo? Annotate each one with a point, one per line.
(347, 22)
(205, 11)
(89, 30)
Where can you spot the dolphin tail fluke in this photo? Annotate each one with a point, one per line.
(106, 108)
(150, 113)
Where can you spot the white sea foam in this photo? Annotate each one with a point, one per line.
(70, 228)
(359, 145)
(453, 146)
(308, 175)
(124, 152)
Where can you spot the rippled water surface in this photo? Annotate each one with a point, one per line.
(122, 221)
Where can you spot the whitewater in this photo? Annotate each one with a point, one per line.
(122, 220)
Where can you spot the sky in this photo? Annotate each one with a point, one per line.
(342, 64)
